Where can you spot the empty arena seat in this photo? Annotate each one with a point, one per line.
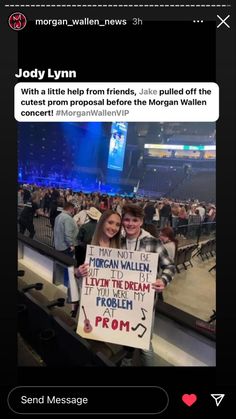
(54, 340)
(180, 259)
(188, 254)
(207, 249)
(184, 256)
(35, 323)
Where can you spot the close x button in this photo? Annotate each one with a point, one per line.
(88, 400)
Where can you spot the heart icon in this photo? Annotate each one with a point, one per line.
(189, 399)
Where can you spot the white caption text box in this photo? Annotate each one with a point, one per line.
(131, 102)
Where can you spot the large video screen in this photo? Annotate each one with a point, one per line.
(117, 145)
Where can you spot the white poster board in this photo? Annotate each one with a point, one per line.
(117, 297)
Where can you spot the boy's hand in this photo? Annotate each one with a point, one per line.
(159, 285)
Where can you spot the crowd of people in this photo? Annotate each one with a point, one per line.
(157, 214)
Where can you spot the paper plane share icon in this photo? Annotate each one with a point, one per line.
(218, 398)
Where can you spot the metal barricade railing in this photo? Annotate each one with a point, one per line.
(42, 226)
(187, 234)
(44, 231)
(195, 233)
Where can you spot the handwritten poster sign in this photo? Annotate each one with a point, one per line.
(117, 297)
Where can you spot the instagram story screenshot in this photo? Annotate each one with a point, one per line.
(118, 191)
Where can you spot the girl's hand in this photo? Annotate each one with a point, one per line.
(82, 270)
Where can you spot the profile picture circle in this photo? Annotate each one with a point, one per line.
(17, 21)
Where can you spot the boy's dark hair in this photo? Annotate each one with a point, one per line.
(68, 205)
(134, 210)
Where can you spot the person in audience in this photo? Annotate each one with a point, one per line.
(169, 241)
(167, 237)
(194, 221)
(86, 232)
(156, 216)
(66, 231)
(46, 201)
(135, 238)
(26, 219)
(104, 204)
(81, 217)
(182, 221)
(56, 207)
(211, 218)
(66, 241)
(149, 212)
(165, 213)
(26, 195)
(175, 215)
(202, 211)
